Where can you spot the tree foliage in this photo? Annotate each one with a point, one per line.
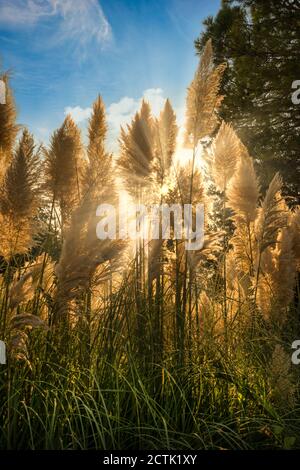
(260, 42)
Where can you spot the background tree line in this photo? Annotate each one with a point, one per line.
(260, 41)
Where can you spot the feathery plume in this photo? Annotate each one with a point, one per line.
(236, 277)
(271, 217)
(265, 288)
(97, 130)
(227, 150)
(181, 192)
(166, 133)
(99, 171)
(244, 246)
(82, 253)
(285, 273)
(22, 290)
(8, 127)
(278, 275)
(243, 192)
(203, 98)
(64, 167)
(242, 195)
(19, 335)
(19, 199)
(137, 150)
(211, 247)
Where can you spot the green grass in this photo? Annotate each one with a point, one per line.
(206, 405)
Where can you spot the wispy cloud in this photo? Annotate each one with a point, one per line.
(84, 20)
(24, 12)
(80, 20)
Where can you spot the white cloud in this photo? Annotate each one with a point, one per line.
(77, 113)
(121, 112)
(155, 98)
(81, 20)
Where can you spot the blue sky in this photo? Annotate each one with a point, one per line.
(62, 53)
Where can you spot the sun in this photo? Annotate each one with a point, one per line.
(184, 154)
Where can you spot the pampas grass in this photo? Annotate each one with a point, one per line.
(8, 127)
(244, 192)
(203, 99)
(64, 166)
(19, 199)
(166, 131)
(137, 153)
(114, 344)
(226, 151)
(82, 253)
(271, 217)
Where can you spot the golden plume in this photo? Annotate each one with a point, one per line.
(271, 216)
(8, 127)
(82, 253)
(97, 130)
(64, 167)
(99, 171)
(243, 195)
(265, 288)
(137, 150)
(19, 199)
(227, 149)
(20, 327)
(22, 290)
(285, 273)
(165, 136)
(203, 99)
(278, 276)
(243, 192)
